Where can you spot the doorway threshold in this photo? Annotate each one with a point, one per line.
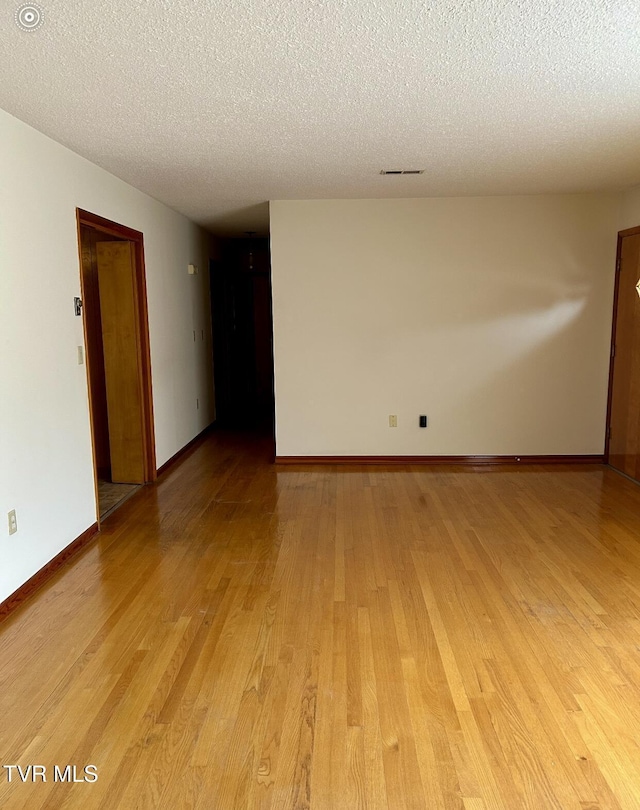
(111, 496)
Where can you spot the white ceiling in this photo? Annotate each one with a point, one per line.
(216, 106)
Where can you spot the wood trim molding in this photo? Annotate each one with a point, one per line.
(183, 450)
(614, 323)
(87, 366)
(629, 232)
(433, 460)
(36, 582)
(106, 225)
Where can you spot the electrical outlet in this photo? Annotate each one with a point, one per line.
(13, 522)
(393, 420)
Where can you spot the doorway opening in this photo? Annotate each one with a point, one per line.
(114, 307)
(243, 337)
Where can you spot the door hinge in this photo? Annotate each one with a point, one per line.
(613, 350)
(618, 265)
(609, 432)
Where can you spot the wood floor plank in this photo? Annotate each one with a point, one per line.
(243, 636)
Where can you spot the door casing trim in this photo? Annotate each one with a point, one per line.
(616, 291)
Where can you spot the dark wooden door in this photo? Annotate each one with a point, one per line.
(120, 340)
(624, 412)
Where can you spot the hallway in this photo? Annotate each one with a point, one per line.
(245, 635)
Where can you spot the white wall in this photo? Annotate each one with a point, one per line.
(490, 315)
(46, 471)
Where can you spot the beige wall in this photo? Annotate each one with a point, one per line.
(46, 470)
(630, 209)
(490, 315)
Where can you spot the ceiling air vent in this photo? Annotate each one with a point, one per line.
(402, 171)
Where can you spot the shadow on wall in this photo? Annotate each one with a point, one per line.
(532, 359)
(240, 220)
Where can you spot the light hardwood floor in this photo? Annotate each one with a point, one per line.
(248, 636)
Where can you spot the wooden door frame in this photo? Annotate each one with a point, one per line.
(616, 292)
(106, 226)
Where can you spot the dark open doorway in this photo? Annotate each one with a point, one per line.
(243, 336)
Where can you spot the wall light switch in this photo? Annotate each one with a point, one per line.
(193, 270)
(393, 420)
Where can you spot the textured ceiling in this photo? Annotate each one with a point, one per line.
(215, 106)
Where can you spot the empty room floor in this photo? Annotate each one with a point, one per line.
(244, 635)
